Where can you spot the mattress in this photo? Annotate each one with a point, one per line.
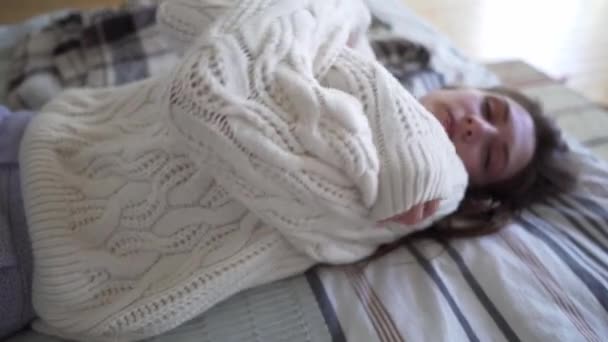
(545, 277)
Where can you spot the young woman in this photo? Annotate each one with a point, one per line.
(478, 121)
(264, 152)
(514, 154)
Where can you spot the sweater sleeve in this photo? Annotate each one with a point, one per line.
(302, 154)
(418, 162)
(299, 155)
(183, 21)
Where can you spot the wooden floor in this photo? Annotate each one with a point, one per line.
(16, 10)
(568, 39)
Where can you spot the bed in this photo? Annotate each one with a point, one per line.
(543, 278)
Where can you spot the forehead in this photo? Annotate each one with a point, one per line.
(464, 96)
(522, 138)
(460, 93)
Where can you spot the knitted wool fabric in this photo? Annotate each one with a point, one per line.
(271, 146)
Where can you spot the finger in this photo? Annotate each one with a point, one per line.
(414, 215)
(421, 212)
(431, 207)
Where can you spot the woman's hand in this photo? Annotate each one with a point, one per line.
(416, 214)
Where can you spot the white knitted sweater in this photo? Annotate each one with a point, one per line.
(271, 146)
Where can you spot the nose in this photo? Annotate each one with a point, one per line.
(472, 129)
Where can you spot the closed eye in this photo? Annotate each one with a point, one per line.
(487, 160)
(506, 111)
(486, 109)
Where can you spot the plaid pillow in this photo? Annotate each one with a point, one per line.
(113, 47)
(87, 49)
(409, 62)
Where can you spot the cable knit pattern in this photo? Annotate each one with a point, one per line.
(271, 146)
(186, 20)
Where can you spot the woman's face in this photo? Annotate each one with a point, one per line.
(493, 135)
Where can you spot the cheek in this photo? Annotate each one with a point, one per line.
(430, 106)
